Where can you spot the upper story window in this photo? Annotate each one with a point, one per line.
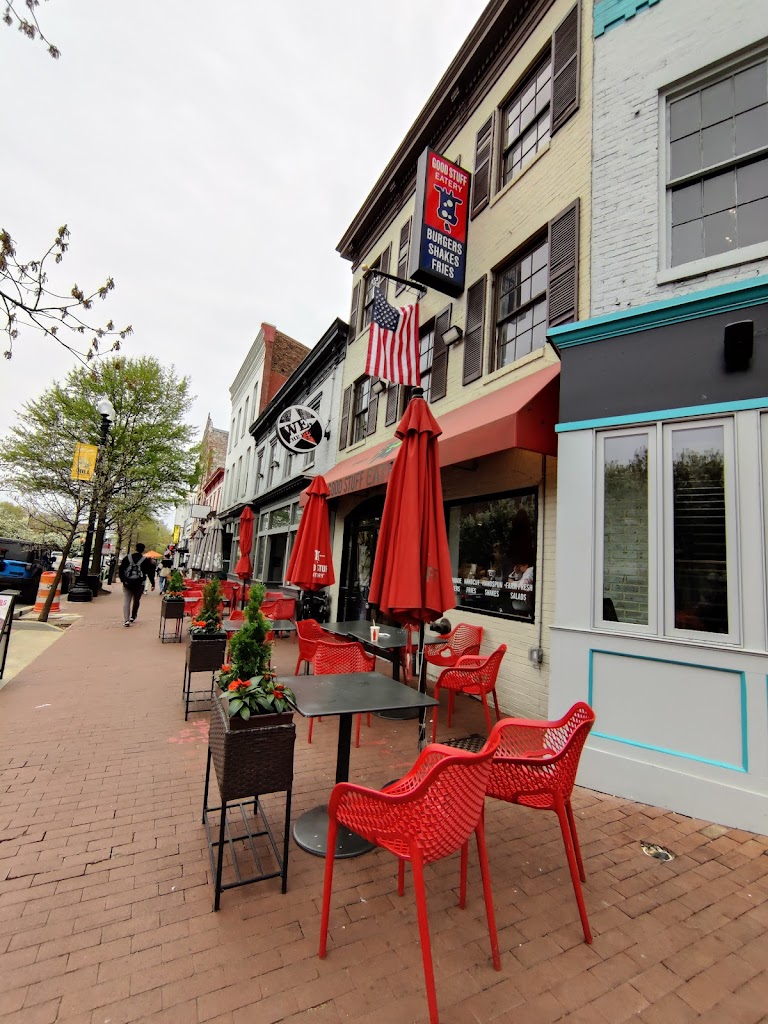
(362, 398)
(371, 282)
(426, 352)
(273, 463)
(237, 431)
(245, 418)
(402, 255)
(232, 435)
(259, 474)
(521, 305)
(526, 119)
(717, 166)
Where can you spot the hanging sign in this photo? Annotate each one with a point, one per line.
(84, 462)
(299, 429)
(439, 253)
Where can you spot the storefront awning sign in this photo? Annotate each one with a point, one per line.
(299, 429)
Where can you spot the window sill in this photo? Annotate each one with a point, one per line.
(517, 365)
(523, 170)
(710, 263)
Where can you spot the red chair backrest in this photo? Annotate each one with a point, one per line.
(344, 657)
(486, 671)
(536, 758)
(237, 615)
(284, 608)
(465, 639)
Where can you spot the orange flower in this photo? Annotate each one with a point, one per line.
(200, 622)
(236, 684)
(226, 668)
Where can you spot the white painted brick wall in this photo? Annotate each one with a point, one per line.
(633, 63)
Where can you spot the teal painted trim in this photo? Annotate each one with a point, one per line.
(609, 13)
(716, 408)
(720, 299)
(743, 767)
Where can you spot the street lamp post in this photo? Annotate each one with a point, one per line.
(80, 591)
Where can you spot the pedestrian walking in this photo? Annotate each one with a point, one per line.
(135, 570)
(166, 567)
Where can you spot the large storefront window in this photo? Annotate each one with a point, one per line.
(493, 554)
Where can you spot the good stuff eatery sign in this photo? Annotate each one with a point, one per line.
(439, 257)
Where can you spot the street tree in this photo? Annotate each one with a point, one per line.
(22, 14)
(146, 465)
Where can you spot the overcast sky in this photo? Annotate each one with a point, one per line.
(209, 157)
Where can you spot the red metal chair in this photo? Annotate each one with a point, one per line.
(462, 640)
(427, 815)
(309, 631)
(342, 657)
(535, 765)
(473, 674)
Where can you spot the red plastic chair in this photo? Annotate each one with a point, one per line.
(535, 765)
(462, 640)
(193, 609)
(427, 815)
(342, 657)
(475, 675)
(237, 615)
(309, 631)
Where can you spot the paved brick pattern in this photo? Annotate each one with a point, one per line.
(105, 897)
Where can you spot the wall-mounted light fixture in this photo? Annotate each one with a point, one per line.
(452, 335)
(738, 341)
(379, 386)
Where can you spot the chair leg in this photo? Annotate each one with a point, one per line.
(400, 876)
(496, 704)
(435, 711)
(309, 735)
(286, 839)
(357, 730)
(486, 709)
(298, 665)
(327, 886)
(482, 852)
(575, 838)
(573, 867)
(451, 697)
(463, 882)
(426, 947)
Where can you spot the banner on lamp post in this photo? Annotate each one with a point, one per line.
(84, 462)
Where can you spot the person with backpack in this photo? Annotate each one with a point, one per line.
(134, 570)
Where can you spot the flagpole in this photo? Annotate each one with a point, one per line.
(393, 277)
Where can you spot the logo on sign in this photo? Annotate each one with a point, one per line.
(299, 429)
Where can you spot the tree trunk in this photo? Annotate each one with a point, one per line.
(43, 616)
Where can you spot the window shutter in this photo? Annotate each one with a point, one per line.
(440, 355)
(481, 185)
(373, 409)
(384, 269)
(563, 284)
(403, 252)
(353, 314)
(565, 69)
(473, 337)
(393, 403)
(345, 407)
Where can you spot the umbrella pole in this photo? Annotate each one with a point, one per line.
(422, 688)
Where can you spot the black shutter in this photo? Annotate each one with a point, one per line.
(393, 404)
(373, 409)
(384, 268)
(563, 284)
(565, 69)
(402, 255)
(440, 355)
(481, 184)
(344, 428)
(473, 337)
(353, 314)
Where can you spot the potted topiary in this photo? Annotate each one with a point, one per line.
(172, 607)
(207, 625)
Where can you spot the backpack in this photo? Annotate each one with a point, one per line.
(133, 573)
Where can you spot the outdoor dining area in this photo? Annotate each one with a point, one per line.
(262, 666)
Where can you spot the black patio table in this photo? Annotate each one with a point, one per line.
(344, 694)
(392, 639)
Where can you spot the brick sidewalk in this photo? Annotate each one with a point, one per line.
(105, 896)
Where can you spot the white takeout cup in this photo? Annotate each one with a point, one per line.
(374, 634)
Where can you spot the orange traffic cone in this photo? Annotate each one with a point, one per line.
(46, 582)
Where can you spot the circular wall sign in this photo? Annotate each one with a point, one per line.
(299, 428)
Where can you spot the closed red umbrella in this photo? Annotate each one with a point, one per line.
(412, 579)
(243, 568)
(311, 567)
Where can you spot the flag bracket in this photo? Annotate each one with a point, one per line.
(393, 277)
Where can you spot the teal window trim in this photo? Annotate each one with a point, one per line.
(720, 299)
(609, 13)
(742, 679)
(657, 415)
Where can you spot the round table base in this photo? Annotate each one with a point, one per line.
(310, 832)
(398, 714)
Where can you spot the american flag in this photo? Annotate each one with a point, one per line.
(393, 342)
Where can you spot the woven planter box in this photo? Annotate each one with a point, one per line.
(251, 761)
(206, 654)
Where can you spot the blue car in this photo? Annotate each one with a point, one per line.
(21, 565)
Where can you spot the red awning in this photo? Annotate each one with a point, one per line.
(522, 414)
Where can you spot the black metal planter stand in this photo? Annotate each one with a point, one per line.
(203, 655)
(248, 764)
(171, 611)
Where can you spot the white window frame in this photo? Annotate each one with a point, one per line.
(733, 636)
(652, 628)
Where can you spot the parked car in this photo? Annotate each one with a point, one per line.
(21, 564)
